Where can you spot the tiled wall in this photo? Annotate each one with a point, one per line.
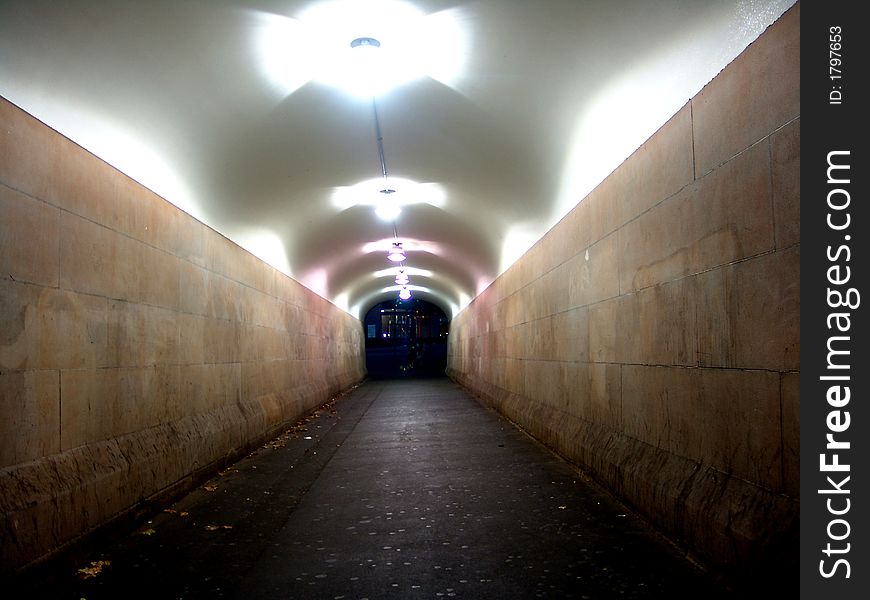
(652, 336)
(139, 349)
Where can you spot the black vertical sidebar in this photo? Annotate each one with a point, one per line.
(835, 300)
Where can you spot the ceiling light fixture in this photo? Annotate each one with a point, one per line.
(402, 278)
(388, 210)
(365, 42)
(397, 253)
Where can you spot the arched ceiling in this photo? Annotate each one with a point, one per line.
(510, 112)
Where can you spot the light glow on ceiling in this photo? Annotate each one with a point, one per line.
(517, 240)
(316, 280)
(413, 288)
(267, 246)
(388, 196)
(412, 45)
(614, 124)
(280, 47)
(316, 46)
(408, 244)
(392, 272)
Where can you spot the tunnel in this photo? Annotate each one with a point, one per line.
(522, 324)
(405, 338)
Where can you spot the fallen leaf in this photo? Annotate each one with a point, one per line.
(183, 513)
(95, 569)
(209, 487)
(562, 507)
(171, 511)
(216, 527)
(146, 532)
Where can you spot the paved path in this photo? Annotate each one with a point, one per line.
(401, 489)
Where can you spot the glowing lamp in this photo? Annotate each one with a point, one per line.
(397, 253)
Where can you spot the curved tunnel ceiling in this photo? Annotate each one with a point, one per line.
(252, 117)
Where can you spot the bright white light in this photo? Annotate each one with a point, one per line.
(409, 245)
(415, 288)
(517, 241)
(388, 212)
(402, 279)
(396, 253)
(388, 204)
(393, 271)
(405, 293)
(412, 45)
(341, 302)
(282, 45)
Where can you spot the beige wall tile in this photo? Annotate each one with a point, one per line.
(88, 412)
(157, 222)
(158, 276)
(757, 93)
(791, 433)
(657, 325)
(142, 335)
(571, 335)
(30, 427)
(191, 243)
(97, 260)
(47, 328)
(724, 418)
(723, 217)
(592, 275)
(763, 297)
(740, 411)
(29, 232)
(221, 341)
(72, 331)
(785, 150)
(193, 288)
(603, 335)
(192, 399)
(715, 344)
(17, 351)
(28, 153)
(88, 187)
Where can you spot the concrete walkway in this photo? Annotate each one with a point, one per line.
(401, 489)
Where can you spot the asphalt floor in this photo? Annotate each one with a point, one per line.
(399, 489)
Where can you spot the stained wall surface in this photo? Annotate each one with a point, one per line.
(139, 349)
(652, 336)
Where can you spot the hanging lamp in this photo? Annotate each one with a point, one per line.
(397, 253)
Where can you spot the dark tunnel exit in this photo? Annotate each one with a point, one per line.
(406, 338)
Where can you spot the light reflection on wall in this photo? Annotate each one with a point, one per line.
(267, 246)
(517, 240)
(630, 109)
